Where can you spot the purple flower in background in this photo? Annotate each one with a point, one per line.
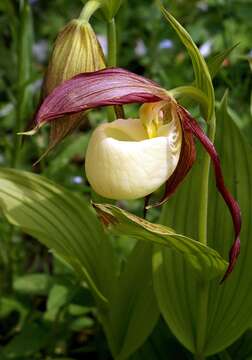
(206, 48)
(140, 48)
(203, 6)
(77, 180)
(40, 51)
(165, 44)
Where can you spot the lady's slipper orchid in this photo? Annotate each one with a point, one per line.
(132, 158)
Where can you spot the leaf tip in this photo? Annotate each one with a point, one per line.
(104, 215)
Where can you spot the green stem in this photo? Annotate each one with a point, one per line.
(24, 41)
(203, 215)
(23, 104)
(112, 56)
(112, 42)
(192, 92)
(17, 141)
(204, 187)
(89, 9)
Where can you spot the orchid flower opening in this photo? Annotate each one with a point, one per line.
(131, 158)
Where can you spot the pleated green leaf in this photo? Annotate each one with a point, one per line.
(62, 221)
(206, 262)
(134, 310)
(227, 310)
(201, 72)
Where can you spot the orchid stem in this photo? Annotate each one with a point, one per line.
(112, 56)
(89, 9)
(112, 42)
(203, 215)
(191, 92)
(204, 187)
(24, 73)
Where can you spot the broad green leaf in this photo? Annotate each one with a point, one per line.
(202, 76)
(133, 311)
(64, 222)
(206, 261)
(215, 62)
(228, 306)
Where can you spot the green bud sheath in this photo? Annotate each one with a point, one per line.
(76, 50)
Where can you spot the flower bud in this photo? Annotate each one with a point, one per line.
(76, 50)
(122, 162)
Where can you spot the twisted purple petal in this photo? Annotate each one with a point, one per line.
(232, 204)
(186, 161)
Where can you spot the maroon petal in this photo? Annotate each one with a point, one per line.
(112, 86)
(192, 125)
(186, 160)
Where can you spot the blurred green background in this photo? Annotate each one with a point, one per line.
(44, 312)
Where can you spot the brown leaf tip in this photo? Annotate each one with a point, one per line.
(106, 218)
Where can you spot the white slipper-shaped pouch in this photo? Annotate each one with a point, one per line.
(123, 163)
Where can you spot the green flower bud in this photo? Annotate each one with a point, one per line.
(76, 50)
